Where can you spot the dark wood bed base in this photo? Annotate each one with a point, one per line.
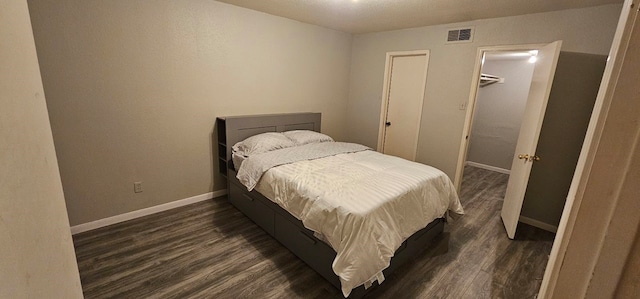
(278, 222)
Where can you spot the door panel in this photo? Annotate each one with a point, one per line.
(404, 105)
(539, 91)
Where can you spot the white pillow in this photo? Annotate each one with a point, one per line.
(262, 143)
(301, 137)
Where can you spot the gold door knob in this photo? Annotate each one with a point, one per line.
(534, 158)
(523, 156)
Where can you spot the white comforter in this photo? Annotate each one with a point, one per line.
(365, 204)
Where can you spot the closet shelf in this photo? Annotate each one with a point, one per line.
(486, 79)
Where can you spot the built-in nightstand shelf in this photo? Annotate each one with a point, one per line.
(223, 154)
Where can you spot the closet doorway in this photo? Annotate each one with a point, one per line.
(504, 117)
(405, 79)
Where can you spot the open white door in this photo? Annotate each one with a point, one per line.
(524, 157)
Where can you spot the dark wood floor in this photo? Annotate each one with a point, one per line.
(210, 250)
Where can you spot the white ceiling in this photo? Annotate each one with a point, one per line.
(362, 16)
(509, 55)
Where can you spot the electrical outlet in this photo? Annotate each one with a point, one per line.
(137, 187)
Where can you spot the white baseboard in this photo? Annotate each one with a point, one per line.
(80, 228)
(488, 167)
(539, 224)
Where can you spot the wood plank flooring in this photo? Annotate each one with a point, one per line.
(210, 250)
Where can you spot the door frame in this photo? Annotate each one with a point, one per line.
(471, 102)
(384, 106)
(596, 231)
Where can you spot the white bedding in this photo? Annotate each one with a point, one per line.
(365, 204)
(253, 167)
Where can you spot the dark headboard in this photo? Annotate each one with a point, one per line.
(238, 128)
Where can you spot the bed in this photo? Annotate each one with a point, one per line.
(304, 232)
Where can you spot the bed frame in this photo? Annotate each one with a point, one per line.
(276, 221)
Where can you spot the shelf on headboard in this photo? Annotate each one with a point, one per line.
(223, 161)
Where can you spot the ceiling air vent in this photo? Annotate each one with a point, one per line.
(460, 35)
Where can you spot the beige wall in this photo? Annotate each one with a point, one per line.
(629, 284)
(450, 72)
(37, 258)
(133, 89)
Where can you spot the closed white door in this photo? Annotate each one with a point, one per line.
(405, 81)
(543, 74)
